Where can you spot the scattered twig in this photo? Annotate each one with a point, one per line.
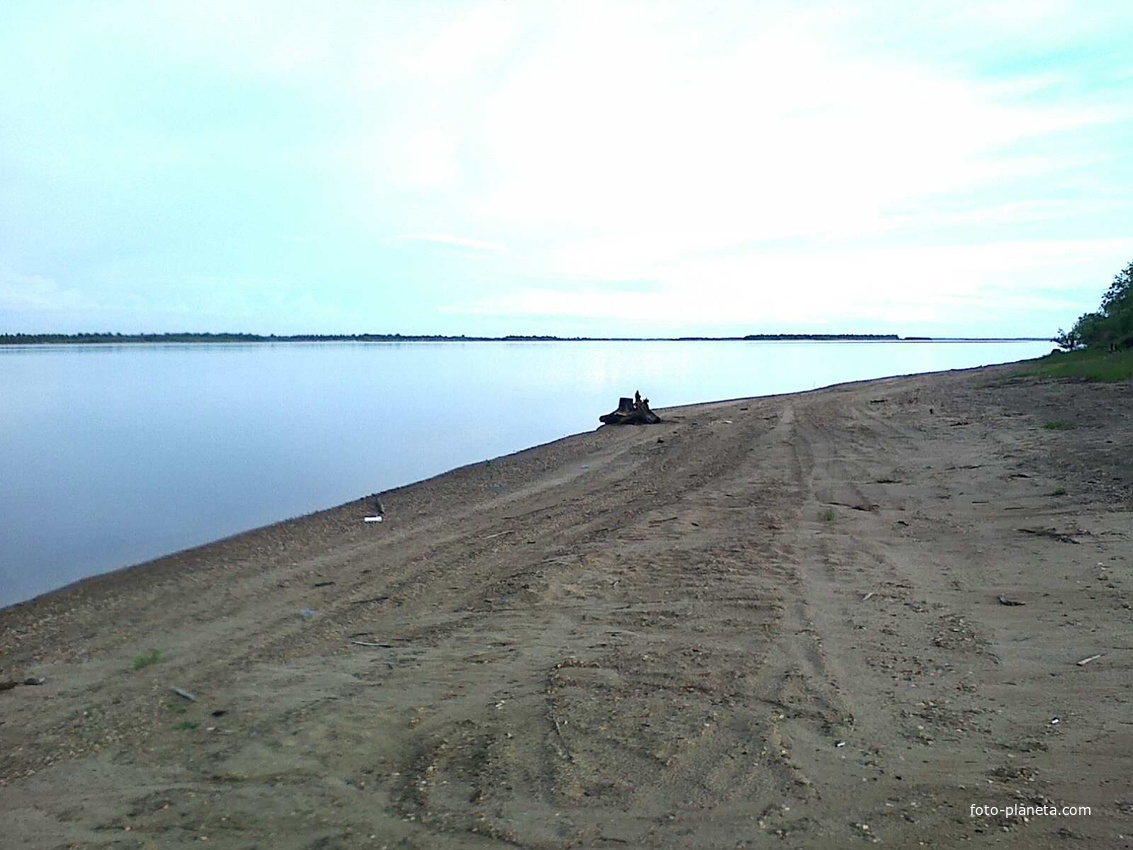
(500, 534)
(860, 506)
(1088, 659)
(666, 519)
(372, 644)
(1003, 600)
(1049, 532)
(869, 596)
(322, 584)
(184, 694)
(371, 599)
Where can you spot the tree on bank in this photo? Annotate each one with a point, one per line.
(1111, 326)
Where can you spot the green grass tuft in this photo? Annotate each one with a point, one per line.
(187, 725)
(1089, 365)
(1057, 491)
(827, 515)
(151, 657)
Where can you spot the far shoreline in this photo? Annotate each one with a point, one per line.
(109, 338)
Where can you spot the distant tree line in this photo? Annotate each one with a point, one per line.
(788, 337)
(31, 339)
(1111, 325)
(120, 338)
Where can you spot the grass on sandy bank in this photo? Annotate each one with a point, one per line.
(1091, 365)
(151, 657)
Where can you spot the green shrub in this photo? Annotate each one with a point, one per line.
(1111, 325)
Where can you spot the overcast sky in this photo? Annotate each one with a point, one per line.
(563, 167)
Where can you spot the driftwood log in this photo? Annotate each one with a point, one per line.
(631, 411)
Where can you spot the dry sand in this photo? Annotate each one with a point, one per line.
(771, 622)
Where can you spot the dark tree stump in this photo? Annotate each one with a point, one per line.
(631, 411)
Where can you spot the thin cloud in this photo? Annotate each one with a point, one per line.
(32, 293)
(903, 288)
(455, 241)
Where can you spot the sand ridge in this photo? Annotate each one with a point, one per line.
(771, 621)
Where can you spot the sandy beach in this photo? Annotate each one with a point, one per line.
(828, 619)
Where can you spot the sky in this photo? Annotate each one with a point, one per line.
(569, 168)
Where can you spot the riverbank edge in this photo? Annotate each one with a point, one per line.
(201, 552)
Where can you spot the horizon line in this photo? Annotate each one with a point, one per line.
(104, 337)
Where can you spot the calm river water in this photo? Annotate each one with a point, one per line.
(117, 454)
